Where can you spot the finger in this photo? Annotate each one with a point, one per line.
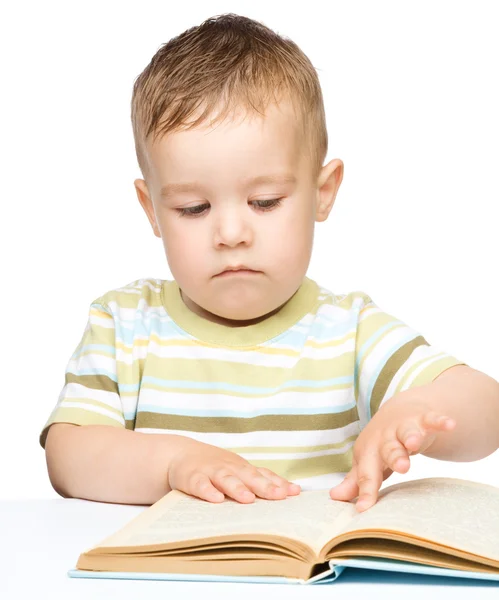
(434, 420)
(201, 486)
(410, 436)
(348, 488)
(369, 478)
(292, 488)
(231, 485)
(259, 484)
(395, 455)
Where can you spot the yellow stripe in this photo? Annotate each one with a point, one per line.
(402, 383)
(237, 394)
(182, 343)
(77, 416)
(68, 401)
(95, 312)
(240, 374)
(433, 370)
(291, 449)
(308, 467)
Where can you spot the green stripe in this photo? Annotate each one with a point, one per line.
(245, 425)
(392, 366)
(94, 382)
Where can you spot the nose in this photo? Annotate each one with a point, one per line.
(232, 227)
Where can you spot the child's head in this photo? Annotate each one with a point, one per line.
(219, 106)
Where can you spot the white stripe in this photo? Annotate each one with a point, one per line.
(216, 401)
(76, 390)
(122, 403)
(92, 409)
(320, 482)
(266, 438)
(105, 322)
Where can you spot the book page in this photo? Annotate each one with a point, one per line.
(453, 512)
(311, 517)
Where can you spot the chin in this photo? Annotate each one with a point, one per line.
(240, 313)
(237, 315)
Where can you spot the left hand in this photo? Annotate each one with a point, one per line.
(406, 424)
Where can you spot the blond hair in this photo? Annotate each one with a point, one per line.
(234, 61)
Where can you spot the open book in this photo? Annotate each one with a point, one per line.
(436, 525)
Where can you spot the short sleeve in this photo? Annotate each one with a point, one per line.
(391, 357)
(90, 395)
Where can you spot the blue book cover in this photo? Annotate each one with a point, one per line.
(336, 568)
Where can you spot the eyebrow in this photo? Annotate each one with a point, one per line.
(172, 188)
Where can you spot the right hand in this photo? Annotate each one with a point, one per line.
(209, 472)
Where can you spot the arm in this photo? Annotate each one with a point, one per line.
(455, 417)
(110, 464)
(471, 398)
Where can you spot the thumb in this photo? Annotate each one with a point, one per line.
(347, 489)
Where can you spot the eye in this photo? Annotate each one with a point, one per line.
(263, 205)
(191, 211)
(266, 206)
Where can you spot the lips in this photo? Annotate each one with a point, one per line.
(238, 269)
(242, 270)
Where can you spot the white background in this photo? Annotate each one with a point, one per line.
(411, 99)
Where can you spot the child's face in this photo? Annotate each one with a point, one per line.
(232, 229)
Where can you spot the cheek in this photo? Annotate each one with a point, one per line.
(295, 231)
(183, 244)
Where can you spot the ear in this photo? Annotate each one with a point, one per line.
(146, 203)
(328, 183)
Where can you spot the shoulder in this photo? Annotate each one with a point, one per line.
(145, 294)
(351, 301)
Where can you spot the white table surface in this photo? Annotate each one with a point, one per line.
(40, 540)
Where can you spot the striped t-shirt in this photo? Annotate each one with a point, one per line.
(290, 393)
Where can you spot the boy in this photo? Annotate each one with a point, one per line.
(242, 377)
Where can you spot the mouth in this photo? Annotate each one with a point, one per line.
(242, 271)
